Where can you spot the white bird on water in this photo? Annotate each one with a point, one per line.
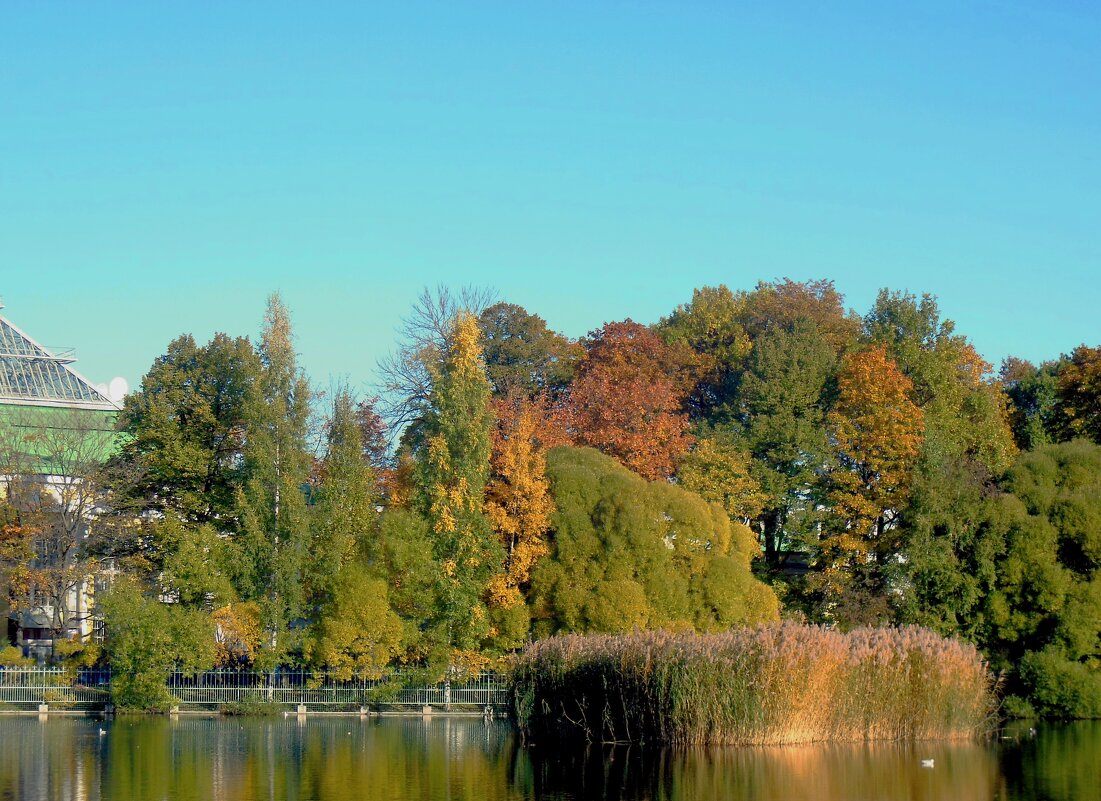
(927, 763)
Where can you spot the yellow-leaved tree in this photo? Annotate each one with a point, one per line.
(877, 432)
(238, 633)
(519, 506)
(450, 476)
(360, 634)
(719, 471)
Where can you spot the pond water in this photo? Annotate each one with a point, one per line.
(333, 759)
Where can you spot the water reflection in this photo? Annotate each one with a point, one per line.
(331, 759)
(815, 773)
(1059, 762)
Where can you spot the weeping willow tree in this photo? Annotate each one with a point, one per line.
(629, 554)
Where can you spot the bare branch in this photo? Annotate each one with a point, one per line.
(50, 462)
(406, 374)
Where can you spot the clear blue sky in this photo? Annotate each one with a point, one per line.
(164, 166)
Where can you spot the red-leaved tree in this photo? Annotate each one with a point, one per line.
(627, 398)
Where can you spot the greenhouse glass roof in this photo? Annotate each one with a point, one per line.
(32, 375)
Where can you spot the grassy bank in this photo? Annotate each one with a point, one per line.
(774, 684)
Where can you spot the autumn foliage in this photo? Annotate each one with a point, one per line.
(627, 398)
(877, 431)
(518, 500)
(770, 685)
(450, 477)
(753, 447)
(238, 634)
(1080, 392)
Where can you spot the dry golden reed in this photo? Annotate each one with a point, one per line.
(774, 684)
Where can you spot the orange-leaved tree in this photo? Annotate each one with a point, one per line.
(627, 398)
(238, 635)
(1080, 393)
(519, 506)
(877, 432)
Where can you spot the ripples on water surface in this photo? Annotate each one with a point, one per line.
(339, 759)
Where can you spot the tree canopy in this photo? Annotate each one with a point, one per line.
(510, 482)
(627, 553)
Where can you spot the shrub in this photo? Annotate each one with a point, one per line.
(73, 655)
(148, 640)
(253, 705)
(1015, 707)
(629, 553)
(1059, 687)
(12, 656)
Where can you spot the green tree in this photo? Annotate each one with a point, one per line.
(451, 474)
(197, 568)
(148, 640)
(358, 634)
(781, 411)
(1045, 610)
(1014, 566)
(272, 504)
(344, 512)
(403, 553)
(185, 433)
(965, 412)
(1032, 394)
(952, 548)
(719, 470)
(627, 552)
(783, 304)
(711, 324)
(522, 355)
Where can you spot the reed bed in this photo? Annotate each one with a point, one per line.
(770, 685)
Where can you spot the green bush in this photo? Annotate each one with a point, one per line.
(1015, 707)
(148, 640)
(1061, 688)
(12, 656)
(72, 655)
(629, 553)
(254, 705)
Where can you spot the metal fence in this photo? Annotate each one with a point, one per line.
(27, 687)
(316, 690)
(321, 690)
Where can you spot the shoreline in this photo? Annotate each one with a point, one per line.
(497, 714)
